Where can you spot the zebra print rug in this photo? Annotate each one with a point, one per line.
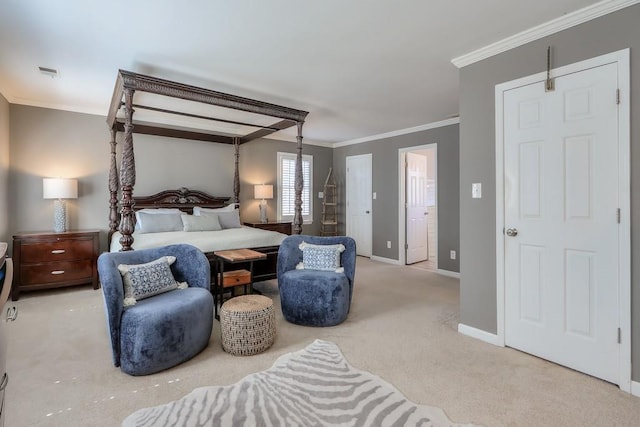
(312, 387)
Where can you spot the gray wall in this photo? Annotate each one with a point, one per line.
(385, 184)
(606, 34)
(51, 143)
(4, 169)
(259, 164)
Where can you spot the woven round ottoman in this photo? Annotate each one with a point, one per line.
(247, 324)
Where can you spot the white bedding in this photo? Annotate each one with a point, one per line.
(206, 241)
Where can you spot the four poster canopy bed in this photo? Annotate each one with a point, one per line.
(153, 221)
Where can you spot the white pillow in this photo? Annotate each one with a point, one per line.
(207, 222)
(154, 211)
(160, 222)
(228, 208)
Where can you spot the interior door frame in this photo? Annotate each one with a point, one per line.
(620, 57)
(402, 201)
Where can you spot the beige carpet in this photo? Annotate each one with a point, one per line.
(402, 327)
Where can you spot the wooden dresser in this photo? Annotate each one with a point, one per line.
(280, 227)
(52, 260)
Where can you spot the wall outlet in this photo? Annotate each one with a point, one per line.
(452, 254)
(388, 244)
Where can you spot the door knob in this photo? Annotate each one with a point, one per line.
(366, 211)
(512, 232)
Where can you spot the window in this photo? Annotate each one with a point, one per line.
(286, 187)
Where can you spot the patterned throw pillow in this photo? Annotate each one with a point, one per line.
(321, 257)
(146, 280)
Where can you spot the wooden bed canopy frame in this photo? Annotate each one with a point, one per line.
(124, 180)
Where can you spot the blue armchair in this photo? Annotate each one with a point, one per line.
(163, 330)
(313, 297)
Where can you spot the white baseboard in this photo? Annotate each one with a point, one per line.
(387, 260)
(635, 388)
(448, 273)
(478, 334)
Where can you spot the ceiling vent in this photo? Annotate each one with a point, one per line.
(50, 72)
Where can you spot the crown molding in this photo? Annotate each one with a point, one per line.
(54, 106)
(284, 137)
(414, 129)
(566, 21)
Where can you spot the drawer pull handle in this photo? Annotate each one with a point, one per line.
(5, 381)
(12, 313)
(58, 251)
(57, 272)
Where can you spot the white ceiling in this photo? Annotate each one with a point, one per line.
(360, 67)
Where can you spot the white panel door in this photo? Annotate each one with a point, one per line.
(359, 194)
(416, 211)
(561, 198)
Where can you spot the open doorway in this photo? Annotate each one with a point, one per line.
(418, 207)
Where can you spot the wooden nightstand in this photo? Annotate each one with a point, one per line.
(280, 227)
(52, 260)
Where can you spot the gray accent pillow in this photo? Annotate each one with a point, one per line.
(146, 280)
(207, 222)
(159, 222)
(227, 219)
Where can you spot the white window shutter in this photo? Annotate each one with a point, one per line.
(286, 186)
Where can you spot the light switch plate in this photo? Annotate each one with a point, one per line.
(476, 190)
(320, 194)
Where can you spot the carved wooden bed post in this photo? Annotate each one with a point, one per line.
(236, 176)
(127, 83)
(127, 175)
(113, 187)
(299, 184)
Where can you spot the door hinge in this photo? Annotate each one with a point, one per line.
(618, 215)
(618, 96)
(619, 336)
(406, 246)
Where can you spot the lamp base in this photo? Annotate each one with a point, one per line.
(59, 216)
(263, 213)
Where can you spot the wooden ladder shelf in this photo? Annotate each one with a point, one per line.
(329, 226)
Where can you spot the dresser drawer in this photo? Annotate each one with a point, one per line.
(46, 260)
(235, 278)
(63, 250)
(56, 272)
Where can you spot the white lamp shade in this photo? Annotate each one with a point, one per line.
(263, 191)
(59, 188)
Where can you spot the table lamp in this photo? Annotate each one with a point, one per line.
(59, 189)
(263, 192)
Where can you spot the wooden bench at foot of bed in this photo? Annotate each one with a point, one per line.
(262, 270)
